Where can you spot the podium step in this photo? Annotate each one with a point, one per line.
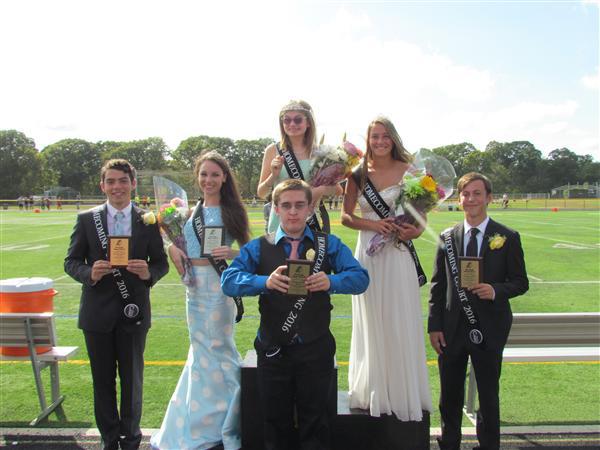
(352, 428)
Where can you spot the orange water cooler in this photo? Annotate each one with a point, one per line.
(18, 295)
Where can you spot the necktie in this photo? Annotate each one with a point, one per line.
(472, 245)
(119, 227)
(294, 243)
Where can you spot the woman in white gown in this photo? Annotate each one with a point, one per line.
(388, 371)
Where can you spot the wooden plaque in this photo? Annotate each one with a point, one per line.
(118, 250)
(298, 270)
(471, 271)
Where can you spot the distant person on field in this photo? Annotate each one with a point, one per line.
(475, 321)
(505, 201)
(114, 312)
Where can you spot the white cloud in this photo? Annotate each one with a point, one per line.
(591, 81)
(129, 70)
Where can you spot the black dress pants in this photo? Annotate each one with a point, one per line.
(453, 366)
(299, 375)
(123, 351)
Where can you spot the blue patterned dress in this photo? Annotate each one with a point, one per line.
(204, 410)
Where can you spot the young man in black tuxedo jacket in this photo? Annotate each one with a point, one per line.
(114, 311)
(474, 321)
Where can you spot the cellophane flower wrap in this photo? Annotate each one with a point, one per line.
(427, 183)
(173, 213)
(332, 164)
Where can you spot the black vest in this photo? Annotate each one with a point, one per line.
(275, 306)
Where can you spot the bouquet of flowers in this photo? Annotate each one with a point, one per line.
(172, 216)
(427, 183)
(331, 164)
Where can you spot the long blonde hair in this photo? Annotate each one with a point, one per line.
(310, 135)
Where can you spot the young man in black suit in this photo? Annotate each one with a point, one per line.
(474, 321)
(114, 311)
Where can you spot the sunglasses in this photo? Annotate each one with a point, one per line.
(297, 120)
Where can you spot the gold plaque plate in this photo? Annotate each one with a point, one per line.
(471, 271)
(118, 251)
(298, 270)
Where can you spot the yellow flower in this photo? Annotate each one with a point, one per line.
(428, 183)
(310, 254)
(149, 218)
(497, 241)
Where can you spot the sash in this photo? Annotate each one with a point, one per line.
(291, 323)
(383, 210)
(131, 309)
(475, 334)
(218, 264)
(295, 171)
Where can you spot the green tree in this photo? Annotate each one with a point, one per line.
(77, 163)
(457, 154)
(145, 154)
(562, 168)
(246, 161)
(516, 166)
(20, 170)
(189, 149)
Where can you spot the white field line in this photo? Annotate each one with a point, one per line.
(531, 277)
(590, 246)
(562, 225)
(428, 241)
(12, 244)
(60, 278)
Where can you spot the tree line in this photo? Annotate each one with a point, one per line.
(513, 167)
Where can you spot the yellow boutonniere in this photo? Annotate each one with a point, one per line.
(149, 218)
(310, 254)
(497, 241)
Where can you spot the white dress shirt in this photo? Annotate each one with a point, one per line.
(481, 227)
(110, 219)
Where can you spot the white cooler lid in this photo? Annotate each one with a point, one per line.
(32, 284)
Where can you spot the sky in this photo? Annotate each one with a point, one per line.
(444, 72)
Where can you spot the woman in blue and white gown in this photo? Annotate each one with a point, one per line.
(388, 372)
(204, 410)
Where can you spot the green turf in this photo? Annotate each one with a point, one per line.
(562, 253)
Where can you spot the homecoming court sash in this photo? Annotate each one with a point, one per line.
(294, 171)
(475, 334)
(383, 211)
(218, 264)
(131, 309)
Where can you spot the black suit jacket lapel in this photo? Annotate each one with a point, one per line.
(459, 231)
(490, 230)
(136, 221)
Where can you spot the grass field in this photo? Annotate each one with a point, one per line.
(562, 251)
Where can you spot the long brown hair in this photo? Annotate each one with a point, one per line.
(399, 153)
(233, 211)
(310, 135)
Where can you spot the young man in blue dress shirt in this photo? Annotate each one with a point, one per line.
(294, 346)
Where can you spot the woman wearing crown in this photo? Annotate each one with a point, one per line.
(291, 156)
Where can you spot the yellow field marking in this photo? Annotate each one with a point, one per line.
(166, 363)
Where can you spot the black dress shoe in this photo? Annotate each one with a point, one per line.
(446, 446)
